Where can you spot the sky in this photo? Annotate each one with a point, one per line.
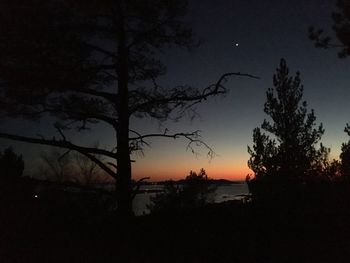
(265, 32)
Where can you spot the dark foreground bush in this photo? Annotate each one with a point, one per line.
(194, 192)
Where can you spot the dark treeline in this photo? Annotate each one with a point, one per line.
(289, 160)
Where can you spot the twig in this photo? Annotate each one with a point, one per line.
(138, 185)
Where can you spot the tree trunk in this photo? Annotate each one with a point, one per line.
(123, 183)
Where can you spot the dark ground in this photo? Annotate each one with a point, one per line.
(42, 231)
(71, 226)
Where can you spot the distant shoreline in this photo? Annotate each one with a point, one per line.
(211, 181)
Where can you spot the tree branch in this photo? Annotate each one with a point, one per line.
(179, 97)
(322, 41)
(59, 144)
(78, 116)
(101, 164)
(138, 185)
(88, 152)
(112, 97)
(192, 137)
(102, 50)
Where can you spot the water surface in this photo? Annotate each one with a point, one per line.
(223, 193)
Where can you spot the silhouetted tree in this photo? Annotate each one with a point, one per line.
(88, 172)
(11, 170)
(341, 27)
(11, 164)
(290, 155)
(345, 156)
(61, 166)
(193, 192)
(91, 62)
(168, 201)
(333, 170)
(57, 166)
(197, 188)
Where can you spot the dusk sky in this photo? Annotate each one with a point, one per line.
(265, 31)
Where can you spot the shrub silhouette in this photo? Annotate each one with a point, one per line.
(345, 156)
(194, 191)
(11, 165)
(11, 170)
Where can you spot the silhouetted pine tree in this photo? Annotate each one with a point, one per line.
(291, 153)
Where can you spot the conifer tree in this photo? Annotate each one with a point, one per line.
(341, 28)
(288, 150)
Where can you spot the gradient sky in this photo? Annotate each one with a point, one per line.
(266, 31)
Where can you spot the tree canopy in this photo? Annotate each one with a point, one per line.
(84, 63)
(288, 152)
(341, 27)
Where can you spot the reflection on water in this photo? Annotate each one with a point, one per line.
(223, 193)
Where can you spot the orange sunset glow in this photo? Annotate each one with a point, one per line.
(228, 164)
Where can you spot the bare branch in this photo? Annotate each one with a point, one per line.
(78, 116)
(138, 185)
(58, 128)
(113, 165)
(63, 155)
(59, 144)
(112, 97)
(135, 132)
(103, 51)
(193, 139)
(181, 97)
(100, 163)
(88, 152)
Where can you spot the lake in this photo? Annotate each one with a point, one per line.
(223, 193)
